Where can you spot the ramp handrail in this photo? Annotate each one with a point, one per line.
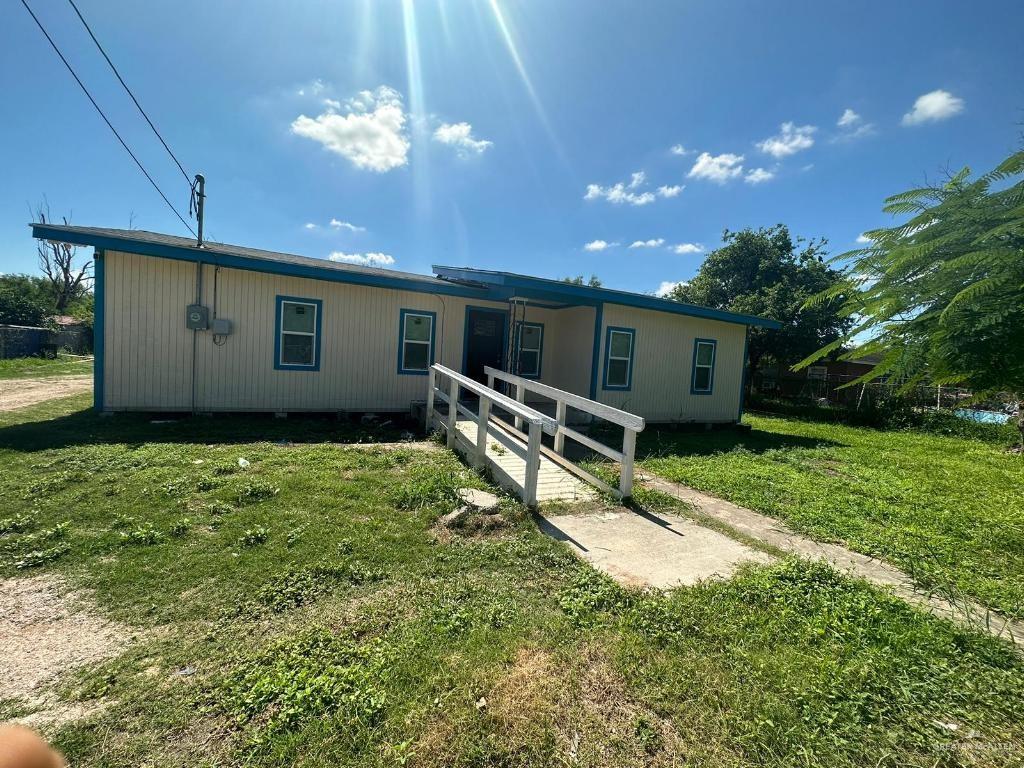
(630, 423)
(537, 421)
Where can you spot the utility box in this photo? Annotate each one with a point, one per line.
(197, 317)
(221, 326)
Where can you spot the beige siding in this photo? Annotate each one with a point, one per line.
(663, 363)
(148, 350)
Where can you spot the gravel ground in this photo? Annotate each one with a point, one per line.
(18, 393)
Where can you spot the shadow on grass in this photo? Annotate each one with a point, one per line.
(655, 442)
(86, 427)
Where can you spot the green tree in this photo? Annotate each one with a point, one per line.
(19, 306)
(941, 295)
(593, 282)
(765, 272)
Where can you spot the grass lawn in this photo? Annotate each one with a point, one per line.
(33, 367)
(305, 610)
(948, 510)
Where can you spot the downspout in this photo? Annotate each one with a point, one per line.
(195, 333)
(98, 329)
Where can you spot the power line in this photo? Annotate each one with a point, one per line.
(129, 91)
(104, 116)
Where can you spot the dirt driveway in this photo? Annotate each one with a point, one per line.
(18, 393)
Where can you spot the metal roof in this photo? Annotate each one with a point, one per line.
(458, 281)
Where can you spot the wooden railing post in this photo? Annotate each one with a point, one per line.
(626, 473)
(520, 398)
(453, 411)
(431, 383)
(483, 417)
(532, 466)
(560, 435)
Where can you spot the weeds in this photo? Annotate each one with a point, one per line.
(40, 557)
(253, 537)
(142, 535)
(256, 491)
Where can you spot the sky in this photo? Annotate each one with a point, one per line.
(547, 137)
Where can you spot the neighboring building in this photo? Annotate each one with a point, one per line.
(275, 332)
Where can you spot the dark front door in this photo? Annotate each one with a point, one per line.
(485, 342)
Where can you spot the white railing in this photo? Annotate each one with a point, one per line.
(536, 422)
(630, 423)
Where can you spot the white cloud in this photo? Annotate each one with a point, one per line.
(863, 239)
(652, 243)
(852, 126)
(848, 119)
(685, 248)
(670, 191)
(460, 136)
(667, 286)
(679, 149)
(598, 245)
(933, 106)
(759, 176)
(791, 139)
(309, 225)
(371, 135)
(314, 88)
(336, 224)
(717, 168)
(622, 192)
(363, 259)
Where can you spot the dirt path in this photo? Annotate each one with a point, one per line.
(777, 534)
(19, 393)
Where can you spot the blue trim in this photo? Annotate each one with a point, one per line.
(537, 287)
(607, 358)
(209, 254)
(519, 352)
(743, 378)
(595, 356)
(319, 304)
(693, 368)
(465, 333)
(401, 341)
(98, 327)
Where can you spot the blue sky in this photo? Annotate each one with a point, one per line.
(505, 135)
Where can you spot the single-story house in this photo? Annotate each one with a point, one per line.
(228, 328)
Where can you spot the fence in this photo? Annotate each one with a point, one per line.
(27, 341)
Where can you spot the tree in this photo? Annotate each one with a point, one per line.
(19, 307)
(941, 295)
(593, 282)
(762, 272)
(57, 262)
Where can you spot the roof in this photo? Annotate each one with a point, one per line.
(458, 281)
(546, 288)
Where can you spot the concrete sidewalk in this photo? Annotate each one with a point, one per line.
(643, 549)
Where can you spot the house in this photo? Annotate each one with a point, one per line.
(228, 328)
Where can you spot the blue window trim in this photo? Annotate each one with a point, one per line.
(465, 332)
(607, 357)
(401, 340)
(540, 352)
(693, 368)
(99, 315)
(319, 304)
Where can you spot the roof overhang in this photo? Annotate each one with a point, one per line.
(572, 294)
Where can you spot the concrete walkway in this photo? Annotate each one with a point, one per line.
(643, 549)
(778, 535)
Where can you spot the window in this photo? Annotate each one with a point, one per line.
(618, 358)
(415, 341)
(530, 346)
(702, 379)
(297, 342)
(817, 372)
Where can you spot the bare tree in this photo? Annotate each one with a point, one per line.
(57, 262)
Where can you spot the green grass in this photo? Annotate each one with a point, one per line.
(305, 610)
(34, 367)
(948, 510)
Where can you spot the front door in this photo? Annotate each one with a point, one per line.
(484, 343)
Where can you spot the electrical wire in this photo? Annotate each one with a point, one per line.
(129, 91)
(104, 116)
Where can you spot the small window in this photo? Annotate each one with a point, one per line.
(703, 377)
(415, 341)
(618, 358)
(298, 334)
(530, 339)
(817, 372)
